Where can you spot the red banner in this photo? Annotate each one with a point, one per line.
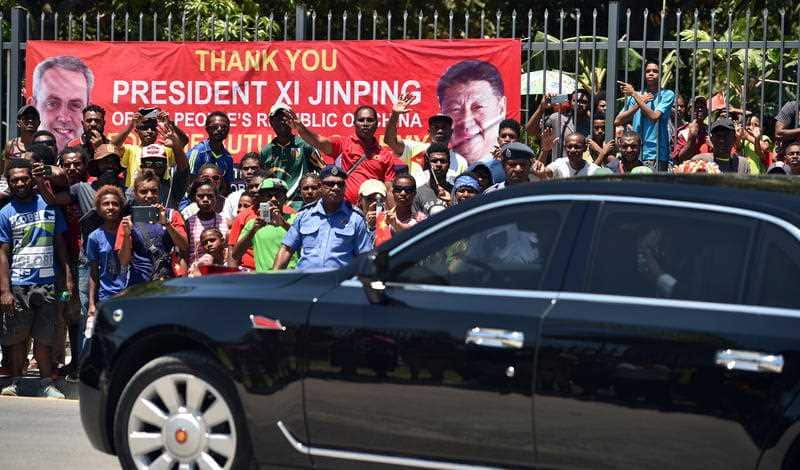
(477, 82)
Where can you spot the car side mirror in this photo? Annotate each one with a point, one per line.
(371, 273)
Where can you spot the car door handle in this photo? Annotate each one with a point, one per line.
(495, 338)
(750, 361)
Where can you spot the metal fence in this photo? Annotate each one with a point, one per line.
(574, 49)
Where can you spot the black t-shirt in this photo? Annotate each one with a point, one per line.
(788, 117)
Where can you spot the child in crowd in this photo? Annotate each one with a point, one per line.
(107, 276)
(212, 251)
(309, 188)
(246, 201)
(208, 172)
(205, 194)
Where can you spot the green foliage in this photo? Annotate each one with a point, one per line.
(728, 70)
(584, 70)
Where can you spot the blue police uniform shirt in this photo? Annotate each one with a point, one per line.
(328, 241)
(201, 154)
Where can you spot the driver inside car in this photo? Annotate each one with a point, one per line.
(512, 246)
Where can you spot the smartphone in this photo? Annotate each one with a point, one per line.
(558, 99)
(264, 211)
(48, 171)
(379, 206)
(144, 214)
(148, 113)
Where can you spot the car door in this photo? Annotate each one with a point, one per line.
(651, 357)
(441, 369)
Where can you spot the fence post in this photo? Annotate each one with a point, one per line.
(300, 22)
(611, 66)
(15, 70)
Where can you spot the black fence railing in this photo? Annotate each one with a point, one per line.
(727, 55)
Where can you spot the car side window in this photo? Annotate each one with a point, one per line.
(508, 248)
(664, 252)
(777, 269)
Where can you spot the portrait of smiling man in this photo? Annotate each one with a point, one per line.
(62, 86)
(472, 93)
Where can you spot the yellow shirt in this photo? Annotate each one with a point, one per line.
(132, 159)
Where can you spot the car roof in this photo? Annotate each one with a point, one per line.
(775, 195)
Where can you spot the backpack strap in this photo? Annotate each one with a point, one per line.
(338, 162)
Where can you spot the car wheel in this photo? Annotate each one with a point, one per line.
(180, 411)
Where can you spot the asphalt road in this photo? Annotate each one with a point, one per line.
(41, 434)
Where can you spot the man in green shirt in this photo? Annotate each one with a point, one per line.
(265, 233)
(288, 156)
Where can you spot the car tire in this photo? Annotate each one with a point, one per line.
(181, 408)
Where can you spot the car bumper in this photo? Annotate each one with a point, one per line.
(93, 406)
(93, 403)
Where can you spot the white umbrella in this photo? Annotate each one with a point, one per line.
(541, 83)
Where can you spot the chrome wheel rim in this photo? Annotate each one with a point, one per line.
(181, 421)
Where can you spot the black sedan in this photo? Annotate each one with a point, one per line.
(645, 323)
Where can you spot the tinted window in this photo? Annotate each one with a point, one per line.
(654, 251)
(778, 268)
(507, 248)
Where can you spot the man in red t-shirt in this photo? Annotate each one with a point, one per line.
(360, 154)
(692, 138)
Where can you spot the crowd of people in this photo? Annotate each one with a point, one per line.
(80, 225)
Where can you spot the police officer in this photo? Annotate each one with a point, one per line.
(517, 160)
(330, 233)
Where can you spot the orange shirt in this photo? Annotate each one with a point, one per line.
(233, 236)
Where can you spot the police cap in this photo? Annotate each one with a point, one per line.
(516, 151)
(332, 170)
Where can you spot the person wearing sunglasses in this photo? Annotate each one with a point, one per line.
(153, 127)
(328, 235)
(212, 150)
(47, 139)
(171, 190)
(402, 215)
